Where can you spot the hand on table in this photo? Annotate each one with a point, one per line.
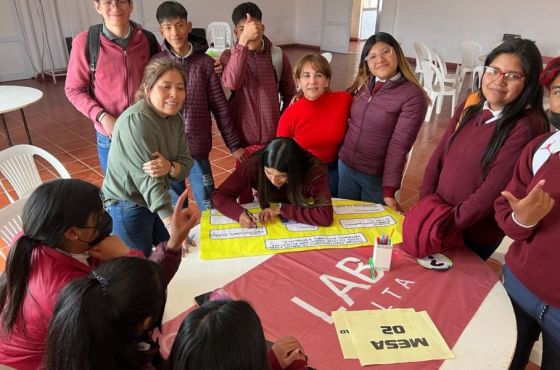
(392, 203)
(268, 214)
(534, 207)
(287, 350)
(247, 220)
(157, 167)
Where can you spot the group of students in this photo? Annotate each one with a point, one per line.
(292, 156)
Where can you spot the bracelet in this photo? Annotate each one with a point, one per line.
(519, 223)
(100, 115)
(172, 169)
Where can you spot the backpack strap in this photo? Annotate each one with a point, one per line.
(276, 53)
(472, 100)
(547, 148)
(92, 51)
(152, 40)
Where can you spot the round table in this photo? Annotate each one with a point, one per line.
(488, 341)
(17, 97)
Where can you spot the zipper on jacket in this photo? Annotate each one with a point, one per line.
(126, 76)
(362, 125)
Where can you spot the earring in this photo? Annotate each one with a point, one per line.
(76, 237)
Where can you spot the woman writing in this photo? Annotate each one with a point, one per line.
(317, 120)
(475, 157)
(65, 234)
(149, 148)
(387, 111)
(283, 173)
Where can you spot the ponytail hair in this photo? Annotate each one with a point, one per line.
(53, 208)
(98, 319)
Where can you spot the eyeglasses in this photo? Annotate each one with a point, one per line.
(375, 57)
(495, 73)
(118, 3)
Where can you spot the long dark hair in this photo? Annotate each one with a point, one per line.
(98, 319)
(532, 96)
(52, 208)
(220, 335)
(403, 66)
(285, 155)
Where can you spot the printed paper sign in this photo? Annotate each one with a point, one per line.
(355, 224)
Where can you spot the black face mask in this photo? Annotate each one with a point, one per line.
(104, 228)
(555, 119)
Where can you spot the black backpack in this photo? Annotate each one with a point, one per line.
(94, 42)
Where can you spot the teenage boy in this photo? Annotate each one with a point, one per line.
(124, 51)
(250, 72)
(204, 95)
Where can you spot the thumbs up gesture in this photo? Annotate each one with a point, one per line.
(252, 31)
(531, 209)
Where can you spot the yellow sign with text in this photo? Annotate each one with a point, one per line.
(355, 224)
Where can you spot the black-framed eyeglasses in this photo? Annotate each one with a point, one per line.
(494, 73)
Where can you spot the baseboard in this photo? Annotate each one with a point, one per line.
(296, 45)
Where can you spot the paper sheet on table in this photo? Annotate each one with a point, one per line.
(394, 336)
(343, 333)
(355, 224)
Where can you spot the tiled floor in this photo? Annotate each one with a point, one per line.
(58, 128)
(61, 130)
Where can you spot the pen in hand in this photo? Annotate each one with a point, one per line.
(252, 219)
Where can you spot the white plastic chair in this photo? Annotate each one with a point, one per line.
(423, 53)
(470, 52)
(19, 168)
(436, 89)
(328, 56)
(449, 78)
(10, 222)
(219, 35)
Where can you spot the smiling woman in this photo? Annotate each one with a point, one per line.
(149, 148)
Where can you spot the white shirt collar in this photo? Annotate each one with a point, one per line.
(496, 113)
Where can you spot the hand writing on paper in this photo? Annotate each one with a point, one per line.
(268, 214)
(287, 350)
(247, 220)
(531, 209)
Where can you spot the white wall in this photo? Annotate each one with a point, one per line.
(443, 24)
(63, 18)
(308, 22)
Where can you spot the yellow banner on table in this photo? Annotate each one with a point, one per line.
(390, 336)
(355, 224)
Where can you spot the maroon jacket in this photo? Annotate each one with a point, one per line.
(455, 172)
(251, 76)
(315, 185)
(381, 130)
(204, 95)
(534, 255)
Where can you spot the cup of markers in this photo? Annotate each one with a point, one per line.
(382, 254)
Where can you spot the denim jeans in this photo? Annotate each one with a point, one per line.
(533, 316)
(137, 226)
(356, 185)
(202, 184)
(103, 145)
(333, 177)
